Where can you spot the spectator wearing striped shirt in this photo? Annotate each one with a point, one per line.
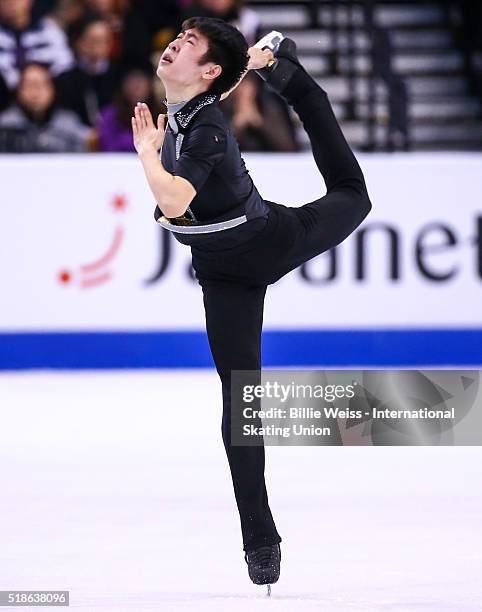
(24, 39)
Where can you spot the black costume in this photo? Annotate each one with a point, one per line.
(234, 266)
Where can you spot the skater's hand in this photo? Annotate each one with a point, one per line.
(146, 135)
(259, 58)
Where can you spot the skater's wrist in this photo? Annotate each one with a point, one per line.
(147, 152)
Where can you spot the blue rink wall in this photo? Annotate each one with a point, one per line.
(89, 280)
(323, 348)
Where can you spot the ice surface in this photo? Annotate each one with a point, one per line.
(115, 486)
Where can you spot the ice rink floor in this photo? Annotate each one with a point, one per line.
(115, 486)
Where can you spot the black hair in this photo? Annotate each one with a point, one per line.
(226, 47)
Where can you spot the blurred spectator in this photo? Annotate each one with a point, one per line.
(41, 8)
(67, 12)
(24, 39)
(35, 124)
(111, 11)
(150, 26)
(259, 117)
(469, 38)
(138, 26)
(91, 83)
(114, 127)
(4, 94)
(234, 11)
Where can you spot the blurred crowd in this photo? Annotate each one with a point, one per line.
(71, 72)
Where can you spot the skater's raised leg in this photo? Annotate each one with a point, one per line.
(328, 220)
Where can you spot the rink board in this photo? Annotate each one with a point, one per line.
(89, 279)
(280, 348)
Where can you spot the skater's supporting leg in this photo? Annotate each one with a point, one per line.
(234, 317)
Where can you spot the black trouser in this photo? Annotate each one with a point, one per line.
(234, 277)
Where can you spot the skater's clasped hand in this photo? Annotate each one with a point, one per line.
(147, 137)
(259, 58)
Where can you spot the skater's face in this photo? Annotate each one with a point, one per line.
(182, 62)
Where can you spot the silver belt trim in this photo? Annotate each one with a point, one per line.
(201, 229)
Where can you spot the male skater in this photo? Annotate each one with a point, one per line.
(241, 243)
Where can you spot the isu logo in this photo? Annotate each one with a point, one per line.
(99, 271)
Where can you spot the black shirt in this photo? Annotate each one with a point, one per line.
(205, 152)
